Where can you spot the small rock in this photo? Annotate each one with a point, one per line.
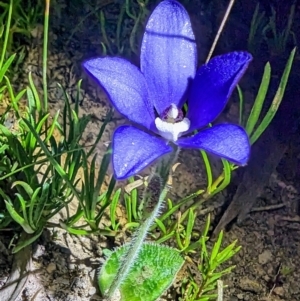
(38, 251)
(87, 269)
(71, 266)
(51, 267)
(265, 257)
(92, 291)
(92, 273)
(62, 280)
(82, 267)
(250, 285)
(78, 283)
(279, 291)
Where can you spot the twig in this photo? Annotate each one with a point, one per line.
(267, 208)
(275, 281)
(228, 10)
(220, 290)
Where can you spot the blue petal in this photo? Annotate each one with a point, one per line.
(126, 87)
(168, 54)
(213, 85)
(228, 141)
(133, 150)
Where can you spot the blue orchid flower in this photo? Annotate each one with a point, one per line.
(153, 96)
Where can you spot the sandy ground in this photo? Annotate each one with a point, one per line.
(64, 267)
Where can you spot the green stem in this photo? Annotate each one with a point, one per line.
(136, 245)
(140, 236)
(7, 29)
(45, 52)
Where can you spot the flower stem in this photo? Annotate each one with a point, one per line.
(135, 246)
(45, 52)
(137, 241)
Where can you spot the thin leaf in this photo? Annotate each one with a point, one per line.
(216, 249)
(189, 228)
(127, 200)
(6, 65)
(207, 168)
(113, 208)
(32, 206)
(166, 237)
(17, 218)
(241, 104)
(27, 242)
(37, 102)
(276, 101)
(259, 100)
(227, 177)
(161, 226)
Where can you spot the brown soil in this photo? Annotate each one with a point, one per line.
(60, 266)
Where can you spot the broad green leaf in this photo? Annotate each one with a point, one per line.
(152, 273)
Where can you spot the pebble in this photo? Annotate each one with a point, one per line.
(249, 285)
(38, 251)
(279, 291)
(78, 283)
(62, 280)
(51, 267)
(92, 291)
(265, 257)
(92, 274)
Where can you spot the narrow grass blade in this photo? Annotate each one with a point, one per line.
(227, 177)
(259, 100)
(207, 168)
(276, 101)
(161, 226)
(27, 242)
(215, 250)
(36, 102)
(241, 104)
(6, 65)
(113, 208)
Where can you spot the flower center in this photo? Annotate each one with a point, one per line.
(172, 123)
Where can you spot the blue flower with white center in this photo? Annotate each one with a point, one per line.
(153, 96)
